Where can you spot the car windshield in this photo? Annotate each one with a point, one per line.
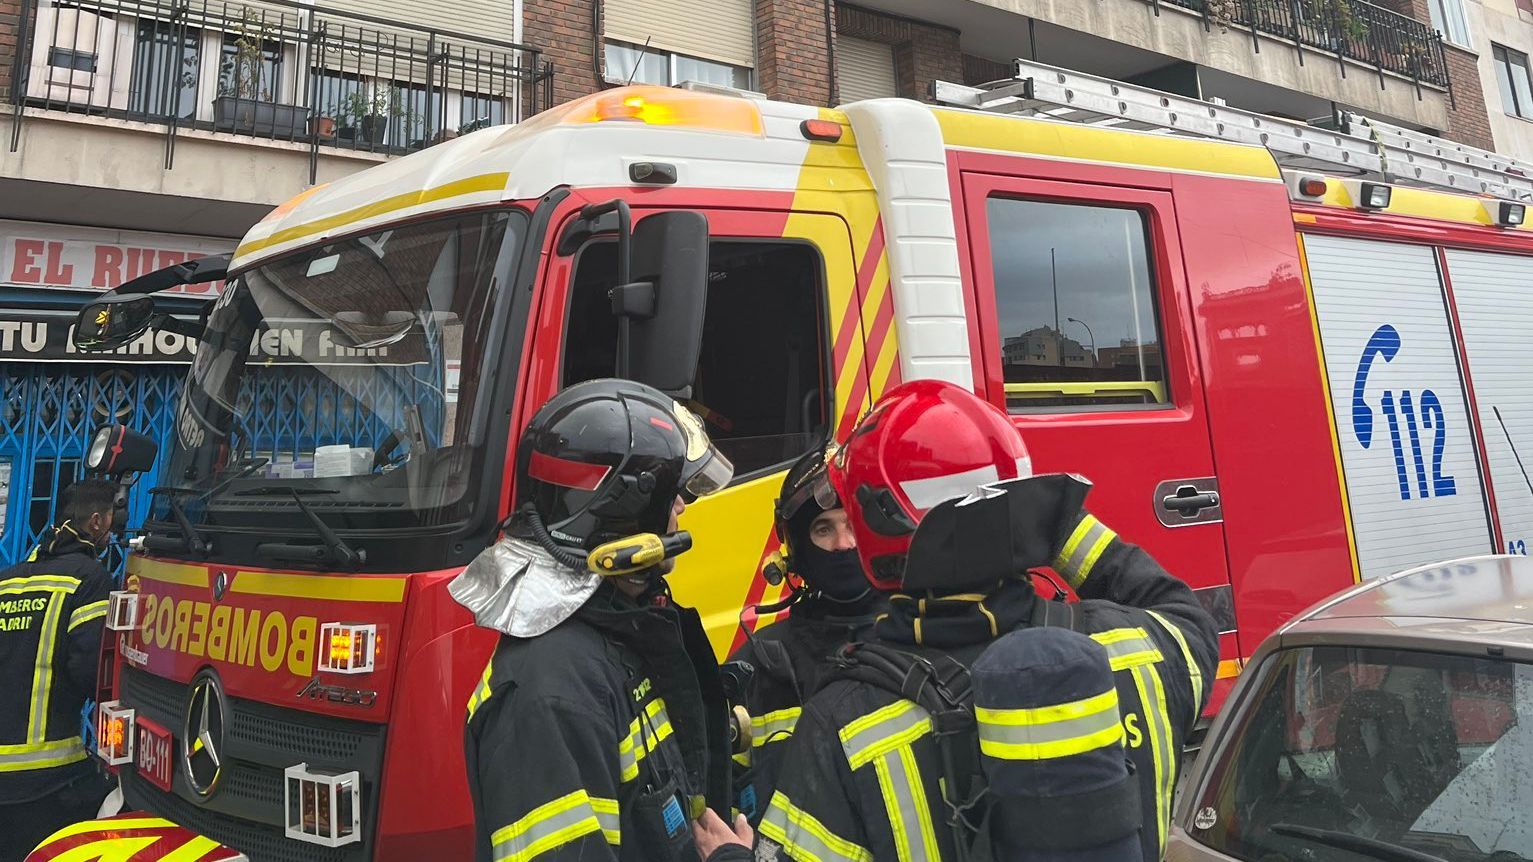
(1347, 754)
(352, 376)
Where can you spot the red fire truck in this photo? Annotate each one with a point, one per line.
(1285, 367)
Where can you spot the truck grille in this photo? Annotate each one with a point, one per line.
(260, 740)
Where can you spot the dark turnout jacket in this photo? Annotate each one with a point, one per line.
(861, 775)
(52, 609)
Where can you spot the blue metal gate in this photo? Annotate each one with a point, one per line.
(48, 413)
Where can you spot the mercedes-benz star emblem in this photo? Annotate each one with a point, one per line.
(202, 739)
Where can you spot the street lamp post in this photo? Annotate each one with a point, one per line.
(1089, 334)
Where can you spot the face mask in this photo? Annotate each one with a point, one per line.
(837, 574)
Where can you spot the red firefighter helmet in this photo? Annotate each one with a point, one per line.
(923, 442)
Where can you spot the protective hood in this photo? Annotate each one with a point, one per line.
(516, 588)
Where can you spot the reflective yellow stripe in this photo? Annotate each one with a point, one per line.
(547, 827)
(39, 584)
(168, 573)
(192, 851)
(1194, 673)
(775, 726)
(806, 839)
(1048, 732)
(42, 671)
(644, 736)
(90, 826)
(86, 613)
(1128, 647)
(880, 731)
(482, 693)
(608, 816)
(328, 587)
(41, 755)
(1086, 544)
(1152, 697)
(899, 781)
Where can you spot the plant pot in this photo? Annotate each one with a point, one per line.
(322, 127)
(374, 127)
(262, 119)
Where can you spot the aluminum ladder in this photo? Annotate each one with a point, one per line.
(1357, 146)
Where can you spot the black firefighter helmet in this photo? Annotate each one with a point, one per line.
(606, 459)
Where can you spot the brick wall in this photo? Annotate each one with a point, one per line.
(566, 31)
(923, 52)
(10, 21)
(792, 59)
(1468, 120)
(978, 70)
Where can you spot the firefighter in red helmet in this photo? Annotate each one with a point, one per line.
(885, 761)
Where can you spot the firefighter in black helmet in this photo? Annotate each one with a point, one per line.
(599, 729)
(830, 603)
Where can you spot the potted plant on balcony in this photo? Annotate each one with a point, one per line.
(367, 117)
(243, 106)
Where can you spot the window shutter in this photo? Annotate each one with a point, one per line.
(864, 70)
(719, 30)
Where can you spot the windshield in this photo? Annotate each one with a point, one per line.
(1421, 751)
(353, 376)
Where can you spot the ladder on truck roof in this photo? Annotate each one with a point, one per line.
(1358, 146)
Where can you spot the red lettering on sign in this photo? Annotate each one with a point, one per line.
(25, 270)
(108, 275)
(59, 272)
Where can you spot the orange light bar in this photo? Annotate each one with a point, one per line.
(821, 130)
(114, 733)
(347, 647)
(665, 106)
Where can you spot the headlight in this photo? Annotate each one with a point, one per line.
(97, 454)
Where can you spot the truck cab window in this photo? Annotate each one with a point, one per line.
(1075, 306)
(762, 381)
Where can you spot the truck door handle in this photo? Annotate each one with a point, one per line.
(1190, 504)
(1184, 502)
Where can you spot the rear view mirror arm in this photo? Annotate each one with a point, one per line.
(173, 324)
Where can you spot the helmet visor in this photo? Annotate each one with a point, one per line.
(708, 477)
(815, 486)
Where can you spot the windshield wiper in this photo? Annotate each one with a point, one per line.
(245, 469)
(191, 540)
(1356, 843)
(334, 548)
(280, 490)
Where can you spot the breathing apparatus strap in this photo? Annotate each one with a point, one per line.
(941, 687)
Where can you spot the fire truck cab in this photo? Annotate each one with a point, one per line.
(1279, 382)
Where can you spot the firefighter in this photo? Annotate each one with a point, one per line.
(52, 609)
(599, 728)
(950, 519)
(830, 604)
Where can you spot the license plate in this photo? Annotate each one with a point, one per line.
(153, 749)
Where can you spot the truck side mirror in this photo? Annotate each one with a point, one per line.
(670, 252)
(113, 321)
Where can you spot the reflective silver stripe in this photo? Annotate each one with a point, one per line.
(804, 838)
(608, 817)
(1194, 673)
(1128, 647)
(774, 726)
(85, 613)
(39, 583)
(645, 734)
(1152, 697)
(1049, 732)
(547, 827)
(899, 780)
(42, 755)
(1082, 550)
(899, 723)
(42, 673)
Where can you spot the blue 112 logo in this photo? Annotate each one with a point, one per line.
(1419, 415)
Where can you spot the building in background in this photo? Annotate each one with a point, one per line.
(1293, 58)
(137, 133)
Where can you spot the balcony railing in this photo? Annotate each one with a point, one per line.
(1353, 29)
(274, 70)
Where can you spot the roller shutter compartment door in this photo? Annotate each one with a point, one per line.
(719, 30)
(1494, 294)
(1407, 446)
(864, 70)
